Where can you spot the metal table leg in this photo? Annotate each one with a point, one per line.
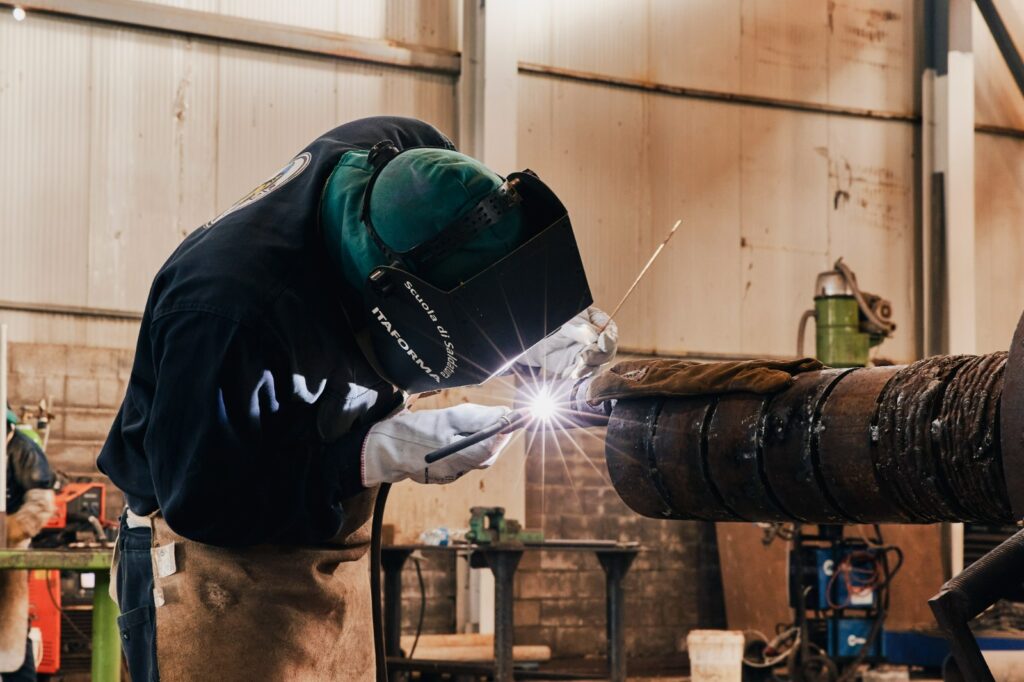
(503, 564)
(392, 560)
(106, 643)
(615, 565)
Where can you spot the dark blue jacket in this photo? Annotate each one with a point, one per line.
(249, 398)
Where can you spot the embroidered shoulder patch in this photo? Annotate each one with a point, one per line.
(281, 178)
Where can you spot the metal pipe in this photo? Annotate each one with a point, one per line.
(912, 444)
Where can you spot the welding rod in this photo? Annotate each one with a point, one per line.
(643, 271)
(511, 421)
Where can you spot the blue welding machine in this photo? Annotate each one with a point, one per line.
(846, 636)
(853, 588)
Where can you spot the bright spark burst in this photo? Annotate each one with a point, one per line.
(542, 405)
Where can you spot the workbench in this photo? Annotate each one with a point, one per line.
(615, 559)
(106, 645)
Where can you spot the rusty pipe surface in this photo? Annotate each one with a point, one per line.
(918, 443)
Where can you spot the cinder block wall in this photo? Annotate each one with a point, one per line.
(672, 586)
(86, 386)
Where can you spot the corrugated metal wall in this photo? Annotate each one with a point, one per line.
(768, 196)
(118, 142)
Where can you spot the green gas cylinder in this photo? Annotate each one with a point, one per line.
(842, 336)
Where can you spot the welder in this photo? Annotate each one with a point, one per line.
(265, 404)
(29, 505)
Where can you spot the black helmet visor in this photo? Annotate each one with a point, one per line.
(426, 339)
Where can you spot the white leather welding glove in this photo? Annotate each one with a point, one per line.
(395, 448)
(578, 348)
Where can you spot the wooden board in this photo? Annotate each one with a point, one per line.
(754, 576)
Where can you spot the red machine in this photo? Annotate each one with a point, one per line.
(76, 502)
(44, 613)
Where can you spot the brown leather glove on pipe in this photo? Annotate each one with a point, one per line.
(668, 378)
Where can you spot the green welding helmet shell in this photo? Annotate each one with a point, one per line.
(429, 334)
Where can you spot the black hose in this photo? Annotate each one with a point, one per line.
(375, 569)
(423, 606)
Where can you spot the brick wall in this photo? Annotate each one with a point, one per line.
(671, 588)
(86, 386)
(438, 570)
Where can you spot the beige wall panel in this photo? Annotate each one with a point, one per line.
(784, 49)
(690, 299)
(999, 225)
(153, 142)
(315, 14)
(695, 43)
(784, 204)
(201, 5)
(68, 330)
(432, 23)
(778, 287)
(997, 99)
(871, 216)
(872, 57)
(856, 53)
(768, 199)
(120, 142)
(368, 90)
(784, 179)
(44, 182)
(604, 36)
(271, 106)
(595, 164)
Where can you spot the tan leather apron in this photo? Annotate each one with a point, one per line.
(266, 612)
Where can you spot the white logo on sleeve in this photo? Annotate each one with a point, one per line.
(278, 180)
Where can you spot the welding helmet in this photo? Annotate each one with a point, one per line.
(455, 305)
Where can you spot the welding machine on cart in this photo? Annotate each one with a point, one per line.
(839, 590)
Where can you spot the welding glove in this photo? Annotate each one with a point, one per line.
(395, 448)
(677, 378)
(577, 349)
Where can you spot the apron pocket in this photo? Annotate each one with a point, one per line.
(138, 641)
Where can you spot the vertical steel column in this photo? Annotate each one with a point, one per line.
(503, 564)
(392, 560)
(615, 565)
(947, 201)
(106, 642)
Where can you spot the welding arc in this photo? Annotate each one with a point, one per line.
(643, 271)
(511, 421)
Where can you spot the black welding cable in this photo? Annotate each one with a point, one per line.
(423, 606)
(375, 592)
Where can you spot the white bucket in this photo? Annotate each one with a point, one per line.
(715, 655)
